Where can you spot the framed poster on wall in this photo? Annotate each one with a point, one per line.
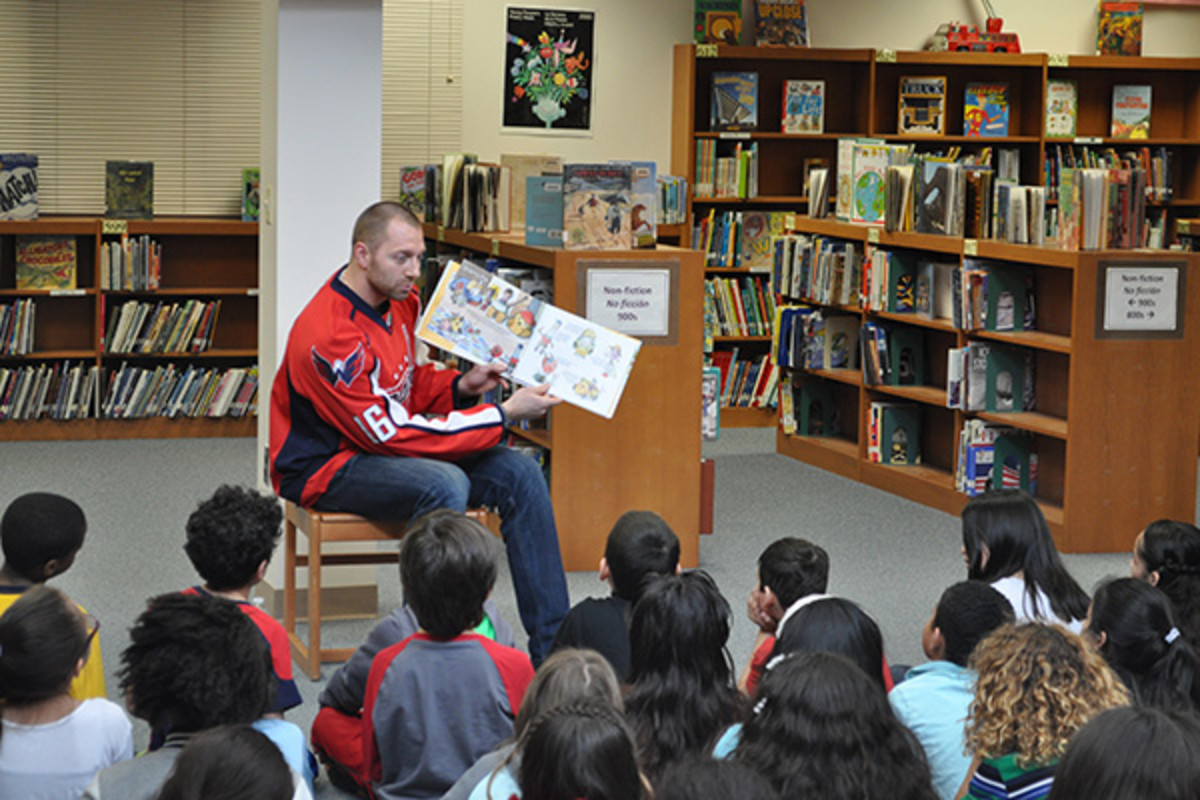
(549, 70)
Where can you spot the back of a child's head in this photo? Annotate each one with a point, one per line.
(1135, 630)
(1004, 532)
(681, 624)
(1132, 753)
(39, 528)
(706, 778)
(580, 752)
(1171, 551)
(834, 625)
(966, 613)
(569, 676)
(793, 568)
(640, 544)
(195, 662)
(42, 637)
(1037, 684)
(230, 762)
(231, 534)
(448, 568)
(821, 728)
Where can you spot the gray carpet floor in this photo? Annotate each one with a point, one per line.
(891, 555)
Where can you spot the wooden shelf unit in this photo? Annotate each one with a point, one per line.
(203, 258)
(648, 455)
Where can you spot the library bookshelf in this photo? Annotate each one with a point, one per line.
(203, 259)
(648, 455)
(861, 100)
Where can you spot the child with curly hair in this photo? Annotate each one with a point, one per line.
(1037, 685)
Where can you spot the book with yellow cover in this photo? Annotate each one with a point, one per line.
(46, 262)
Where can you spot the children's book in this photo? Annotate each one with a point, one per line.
(710, 403)
(896, 429)
(1062, 108)
(803, 106)
(544, 210)
(596, 206)
(522, 167)
(1014, 463)
(734, 101)
(1131, 111)
(487, 320)
(412, 190)
(1119, 32)
(782, 23)
(46, 262)
(870, 166)
(757, 229)
(129, 189)
(922, 105)
(985, 109)
(18, 186)
(250, 194)
(643, 210)
(717, 22)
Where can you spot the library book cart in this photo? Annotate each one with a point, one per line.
(1117, 419)
(209, 263)
(647, 456)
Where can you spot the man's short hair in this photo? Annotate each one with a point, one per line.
(230, 534)
(966, 613)
(37, 528)
(793, 568)
(448, 568)
(371, 226)
(194, 662)
(639, 545)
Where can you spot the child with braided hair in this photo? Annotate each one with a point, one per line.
(1167, 555)
(581, 752)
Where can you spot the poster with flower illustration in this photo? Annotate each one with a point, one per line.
(549, 69)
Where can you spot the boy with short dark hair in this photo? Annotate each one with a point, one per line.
(41, 533)
(639, 545)
(790, 569)
(934, 698)
(441, 698)
(230, 538)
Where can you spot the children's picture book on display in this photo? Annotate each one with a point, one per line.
(596, 206)
(782, 23)
(803, 106)
(710, 403)
(985, 109)
(1131, 111)
(544, 210)
(46, 262)
(549, 69)
(412, 190)
(717, 22)
(643, 202)
(1062, 108)
(734, 101)
(129, 189)
(18, 186)
(1119, 32)
(922, 105)
(485, 319)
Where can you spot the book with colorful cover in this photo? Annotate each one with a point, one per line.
(596, 206)
(643, 210)
(867, 184)
(985, 109)
(18, 186)
(487, 320)
(803, 106)
(129, 189)
(782, 23)
(1131, 111)
(734, 101)
(1062, 108)
(717, 22)
(922, 105)
(1119, 32)
(710, 403)
(46, 262)
(412, 190)
(756, 231)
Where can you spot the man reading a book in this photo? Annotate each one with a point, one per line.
(358, 425)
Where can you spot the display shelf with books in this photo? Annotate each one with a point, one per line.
(205, 263)
(600, 467)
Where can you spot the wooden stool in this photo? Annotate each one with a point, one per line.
(321, 527)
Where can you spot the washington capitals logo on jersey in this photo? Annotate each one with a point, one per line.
(341, 371)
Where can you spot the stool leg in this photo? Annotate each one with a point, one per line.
(314, 601)
(289, 577)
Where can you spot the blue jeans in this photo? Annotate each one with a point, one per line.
(402, 488)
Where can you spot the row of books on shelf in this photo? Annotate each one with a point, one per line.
(733, 174)
(16, 327)
(738, 239)
(810, 338)
(987, 376)
(1157, 163)
(740, 306)
(144, 327)
(64, 390)
(993, 456)
(132, 263)
(746, 382)
(818, 268)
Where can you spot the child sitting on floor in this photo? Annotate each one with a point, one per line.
(230, 538)
(639, 545)
(41, 534)
(406, 744)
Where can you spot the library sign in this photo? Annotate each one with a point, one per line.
(1141, 300)
(636, 301)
